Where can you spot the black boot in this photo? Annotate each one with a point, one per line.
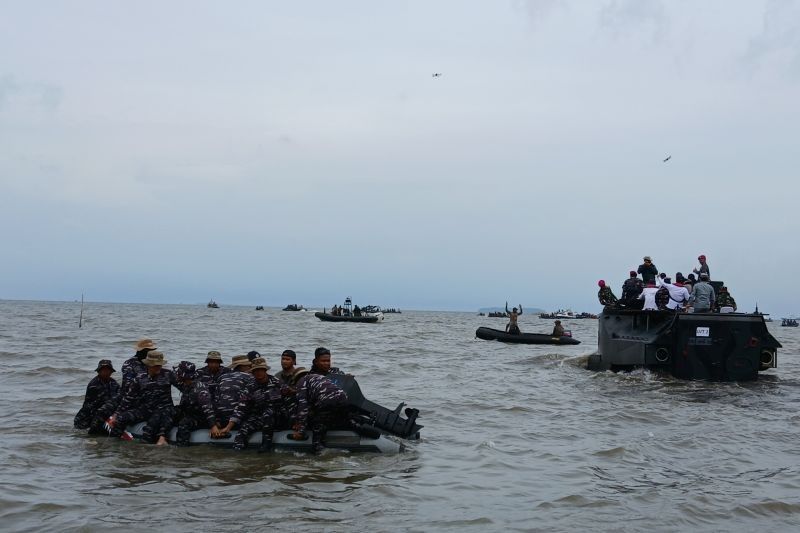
(266, 441)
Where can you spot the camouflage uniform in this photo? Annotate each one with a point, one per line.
(724, 299)
(319, 371)
(606, 297)
(320, 403)
(232, 388)
(631, 290)
(196, 410)
(662, 298)
(130, 369)
(212, 380)
(148, 399)
(258, 410)
(100, 402)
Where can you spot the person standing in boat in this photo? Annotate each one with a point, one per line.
(648, 270)
(196, 408)
(703, 267)
(512, 326)
(678, 295)
(558, 329)
(102, 396)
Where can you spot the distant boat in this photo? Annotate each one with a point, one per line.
(212, 304)
(789, 322)
(294, 307)
(350, 313)
(259, 308)
(489, 334)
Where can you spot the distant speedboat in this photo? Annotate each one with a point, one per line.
(259, 308)
(789, 322)
(212, 305)
(294, 307)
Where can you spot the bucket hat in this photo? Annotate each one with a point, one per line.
(145, 344)
(214, 355)
(259, 362)
(104, 362)
(239, 360)
(154, 358)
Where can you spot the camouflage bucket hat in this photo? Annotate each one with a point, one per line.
(185, 370)
(214, 355)
(298, 375)
(259, 362)
(104, 362)
(154, 359)
(239, 360)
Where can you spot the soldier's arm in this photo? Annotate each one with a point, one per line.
(204, 399)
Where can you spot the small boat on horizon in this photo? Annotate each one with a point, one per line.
(294, 307)
(212, 304)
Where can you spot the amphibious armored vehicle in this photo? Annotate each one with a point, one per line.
(701, 346)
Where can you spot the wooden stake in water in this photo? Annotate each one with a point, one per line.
(80, 320)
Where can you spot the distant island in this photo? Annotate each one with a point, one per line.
(525, 309)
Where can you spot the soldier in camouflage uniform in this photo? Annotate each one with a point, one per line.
(606, 297)
(195, 409)
(148, 398)
(102, 397)
(724, 299)
(134, 366)
(258, 408)
(286, 377)
(321, 404)
(212, 372)
(233, 386)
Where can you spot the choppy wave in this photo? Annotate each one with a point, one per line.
(519, 437)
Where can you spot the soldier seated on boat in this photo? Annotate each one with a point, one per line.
(288, 360)
(212, 372)
(558, 329)
(322, 363)
(196, 408)
(606, 297)
(321, 404)
(257, 408)
(512, 326)
(102, 397)
(231, 388)
(356, 311)
(149, 399)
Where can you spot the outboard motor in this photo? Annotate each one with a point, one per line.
(367, 414)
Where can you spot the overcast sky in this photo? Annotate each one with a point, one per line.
(276, 152)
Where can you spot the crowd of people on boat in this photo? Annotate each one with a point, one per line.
(657, 291)
(242, 396)
(338, 310)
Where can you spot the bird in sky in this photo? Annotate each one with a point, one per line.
(668, 158)
(436, 75)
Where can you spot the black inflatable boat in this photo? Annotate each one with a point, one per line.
(369, 319)
(489, 334)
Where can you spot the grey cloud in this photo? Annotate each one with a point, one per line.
(538, 10)
(624, 17)
(45, 96)
(780, 35)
